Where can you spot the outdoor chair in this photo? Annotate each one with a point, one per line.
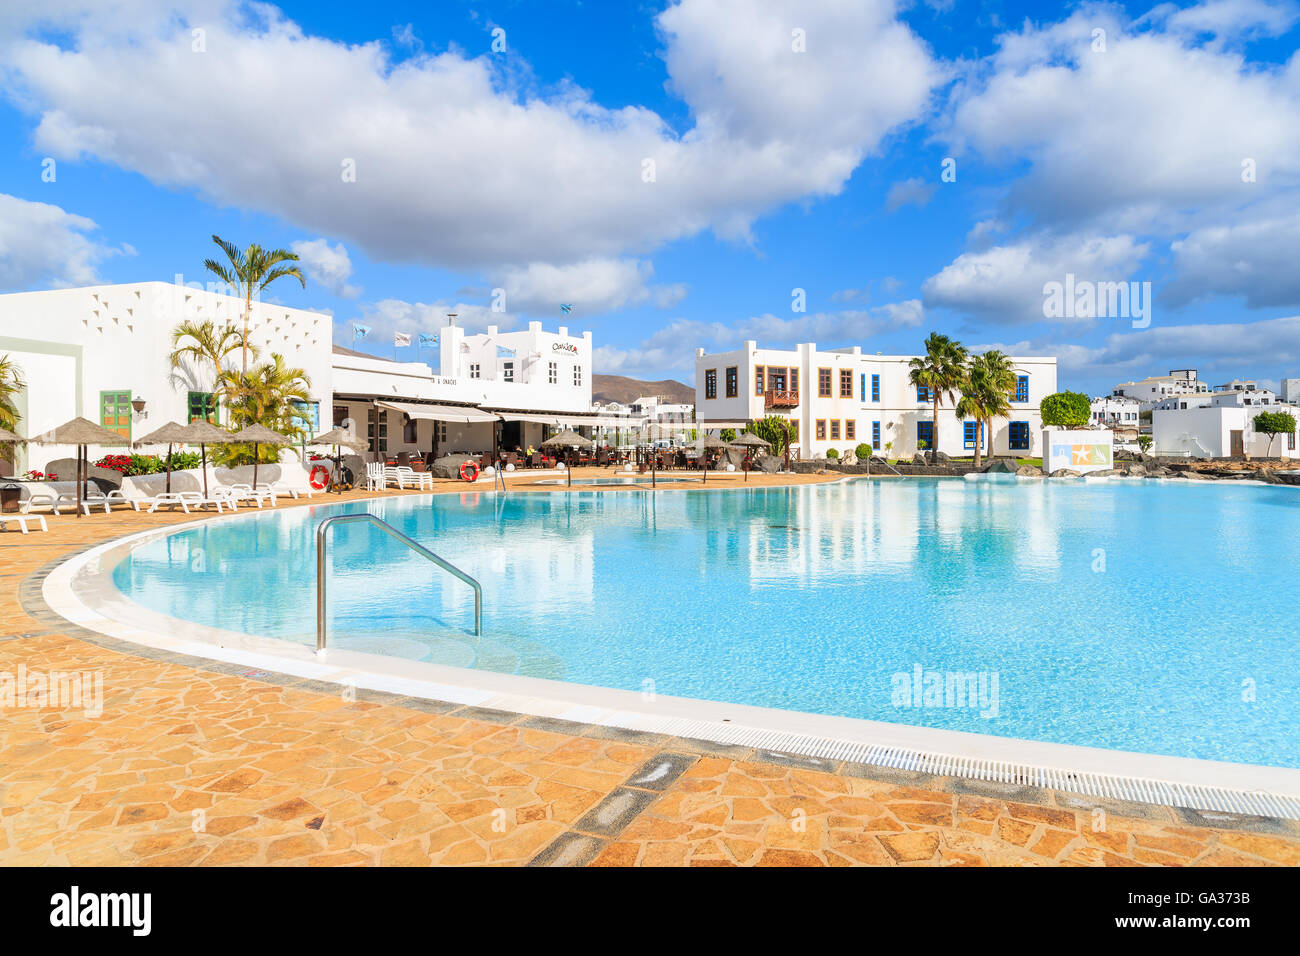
(22, 519)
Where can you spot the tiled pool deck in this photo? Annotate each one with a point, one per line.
(195, 762)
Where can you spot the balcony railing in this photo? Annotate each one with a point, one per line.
(778, 398)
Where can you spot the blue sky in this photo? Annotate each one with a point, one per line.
(795, 146)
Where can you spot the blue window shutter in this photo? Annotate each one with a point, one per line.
(875, 435)
(864, 386)
(875, 388)
(1022, 388)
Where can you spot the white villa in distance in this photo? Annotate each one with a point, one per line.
(842, 398)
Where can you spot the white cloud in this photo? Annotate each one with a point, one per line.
(914, 191)
(591, 285)
(42, 245)
(1226, 18)
(387, 316)
(330, 266)
(461, 162)
(1005, 283)
(1258, 260)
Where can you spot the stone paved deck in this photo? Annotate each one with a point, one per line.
(213, 764)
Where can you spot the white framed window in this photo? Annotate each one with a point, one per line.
(476, 371)
(577, 375)
(440, 431)
(508, 371)
(553, 373)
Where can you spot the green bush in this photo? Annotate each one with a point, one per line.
(1066, 410)
(864, 451)
(131, 465)
(832, 453)
(1144, 442)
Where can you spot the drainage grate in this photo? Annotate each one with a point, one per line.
(1134, 789)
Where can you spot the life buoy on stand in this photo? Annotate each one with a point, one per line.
(469, 470)
(320, 477)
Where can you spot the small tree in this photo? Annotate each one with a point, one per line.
(864, 452)
(832, 454)
(774, 430)
(1273, 424)
(1144, 442)
(728, 435)
(1066, 410)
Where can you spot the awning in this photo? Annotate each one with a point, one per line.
(713, 426)
(571, 421)
(440, 413)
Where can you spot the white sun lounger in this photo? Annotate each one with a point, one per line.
(192, 499)
(22, 519)
(244, 492)
(282, 491)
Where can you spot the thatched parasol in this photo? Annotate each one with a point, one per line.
(169, 435)
(81, 432)
(259, 435)
(568, 439)
(748, 440)
(204, 433)
(337, 437)
(7, 436)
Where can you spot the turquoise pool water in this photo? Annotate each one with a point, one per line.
(1142, 616)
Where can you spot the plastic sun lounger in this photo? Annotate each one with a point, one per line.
(282, 491)
(88, 501)
(421, 479)
(245, 492)
(190, 499)
(22, 519)
(38, 499)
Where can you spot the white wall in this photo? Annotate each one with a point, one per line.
(73, 344)
(1206, 432)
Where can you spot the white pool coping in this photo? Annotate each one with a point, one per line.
(82, 591)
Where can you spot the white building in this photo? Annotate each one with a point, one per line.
(1150, 390)
(481, 391)
(102, 353)
(1290, 390)
(1116, 411)
(842, 398)
(1216, 431)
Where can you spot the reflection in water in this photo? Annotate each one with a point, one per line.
(813, 598)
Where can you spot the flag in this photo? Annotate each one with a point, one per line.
(359, 331)
(428, 341)
(566, 307)
(503, 352)
(401, 338)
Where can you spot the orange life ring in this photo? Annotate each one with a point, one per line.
(320, 477)
(469, 470)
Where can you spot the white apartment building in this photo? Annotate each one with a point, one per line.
(841, 398)
(482, 391)
(1228, 398)
(102, 353)
(1216, 431)
(1116, 411)
(1290, 390)
(1150, 390)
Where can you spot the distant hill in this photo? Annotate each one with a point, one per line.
(617, 388)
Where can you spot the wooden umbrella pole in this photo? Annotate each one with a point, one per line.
(254, 466)
(169, 468)
(203, 464)
(80, 454)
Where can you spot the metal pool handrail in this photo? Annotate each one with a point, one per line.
(415, 546)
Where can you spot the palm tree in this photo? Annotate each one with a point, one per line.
(269, 396)
(941, 371)
(249, 271)
(205, 344)
(11, 383)
(999, 384)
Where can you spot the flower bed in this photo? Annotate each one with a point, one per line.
(131, 465)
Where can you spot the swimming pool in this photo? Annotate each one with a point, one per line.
(621, 480)
(1142, 616)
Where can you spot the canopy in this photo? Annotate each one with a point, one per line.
(714, 426)
(571, 420)
(81, 431)
(440, 413)
(749, 438)
(567, 439)
(260, 435)
(169, 434)
(202, 432)
(338, 436)
(7, 435)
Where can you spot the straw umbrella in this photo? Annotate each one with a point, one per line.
(81, 432)
(337, 437)
(204, 433)
(169, 435)
(568, 439)
(710, 443)
(259, 435)
(749, 441)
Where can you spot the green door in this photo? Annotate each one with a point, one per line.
(115, 412)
